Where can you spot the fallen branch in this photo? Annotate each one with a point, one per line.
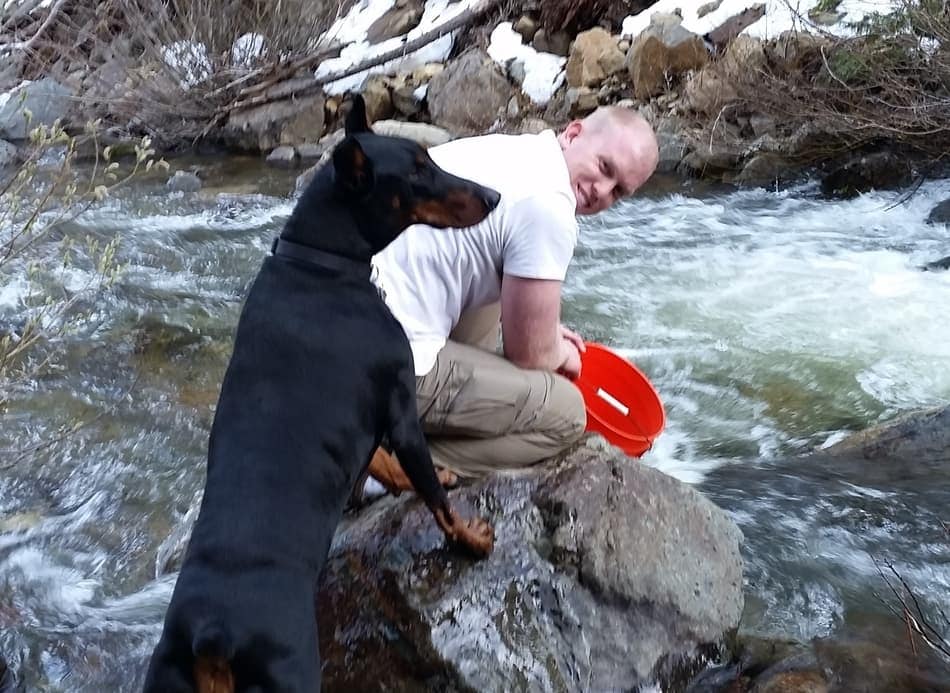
(425, 39)
(29, 43)
(420, 41)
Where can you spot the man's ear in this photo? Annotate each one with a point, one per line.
(356, 120)
(572, 130)
(354, 170)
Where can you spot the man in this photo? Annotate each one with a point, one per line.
(452, 290)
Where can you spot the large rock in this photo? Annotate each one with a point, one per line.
(877, 171)
(399, 19)
(937, 265)
(283, 157)
(47, 100)
(710, 159)
(872, 662)
(594, 57)
(289, 121)
(765, 169)
(602, 567)
(922, 436)
(469, 95)
(7, 154)
(378, 99)
(183, 181)
(108, 81)
(424, 134)
(711, 89)
(707, 93)
(663, 51)
(940, 214)
(671, 136)
(407, 101)
(558, 42)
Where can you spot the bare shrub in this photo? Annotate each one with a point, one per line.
(890, 82)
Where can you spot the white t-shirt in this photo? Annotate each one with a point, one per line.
(431, 276)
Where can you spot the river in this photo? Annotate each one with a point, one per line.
(771, 322)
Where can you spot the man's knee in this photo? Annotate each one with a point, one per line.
(568, 403)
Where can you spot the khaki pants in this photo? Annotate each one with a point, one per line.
(482, 413)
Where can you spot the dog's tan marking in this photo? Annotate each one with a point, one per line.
(213, 675)
(476, 535)
(385, 468)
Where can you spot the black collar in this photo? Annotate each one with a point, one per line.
(359, 269)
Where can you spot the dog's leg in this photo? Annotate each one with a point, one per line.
(385, 468)
(410, 447)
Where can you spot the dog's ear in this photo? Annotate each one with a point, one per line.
(354, 170)
(356, 120)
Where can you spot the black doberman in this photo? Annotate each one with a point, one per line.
(321, 373)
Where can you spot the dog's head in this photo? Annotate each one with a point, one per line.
(393, 183)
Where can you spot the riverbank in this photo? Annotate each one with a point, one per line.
(742, 92)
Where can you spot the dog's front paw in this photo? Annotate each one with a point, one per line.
(476, 535)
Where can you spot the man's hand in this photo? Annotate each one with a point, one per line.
(572, 346)
(574, 338)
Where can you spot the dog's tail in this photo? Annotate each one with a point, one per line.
(213, 649)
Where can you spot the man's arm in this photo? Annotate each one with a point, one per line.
(531, 327)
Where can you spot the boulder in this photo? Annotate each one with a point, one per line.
(8, 153)
(289, 121)
(406, 100)
(424, 73)
(581, 101)
(469, 95)
(712, 88)
(398, 20)
(707, 93)
(310, 151)
(673, 144)
(937, 265)
(533, 126)
(558, 42)
(423, 133)
(881, 170)
(921, 436)
(108, 81)
(594, 57)
(379, 101)
(527, 27)
(46, 99)
(940, 214)
(283, 157)
(602, 568)
(871, 662)
(764, 169)
(713, 158)
(662, 52)
(183, 181)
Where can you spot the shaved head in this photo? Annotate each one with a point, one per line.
(609, 154)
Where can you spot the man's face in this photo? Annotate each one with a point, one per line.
(605, 163)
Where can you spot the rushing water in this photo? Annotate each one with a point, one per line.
(770, 322)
